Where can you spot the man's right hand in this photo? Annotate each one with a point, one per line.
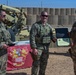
(35, 51)
(4, 46)
(54, 40)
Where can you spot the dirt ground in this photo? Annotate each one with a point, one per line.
(59, 63)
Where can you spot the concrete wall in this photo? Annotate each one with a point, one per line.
(57, 16)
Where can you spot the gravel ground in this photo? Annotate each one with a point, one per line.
(59, 63)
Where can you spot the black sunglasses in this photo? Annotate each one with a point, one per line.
(3, 15)
(44, 15)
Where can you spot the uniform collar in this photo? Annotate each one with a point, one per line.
(41, 22)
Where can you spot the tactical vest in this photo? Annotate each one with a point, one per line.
(43, 34)
(3, 38)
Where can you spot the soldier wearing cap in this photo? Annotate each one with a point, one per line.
(40, 37)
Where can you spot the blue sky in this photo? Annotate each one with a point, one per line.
(40, 3)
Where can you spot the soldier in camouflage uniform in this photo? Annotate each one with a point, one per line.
(40, 38)
(72, 50)
(4, 40)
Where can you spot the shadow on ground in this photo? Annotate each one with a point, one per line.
(56, 53)
(16, 74)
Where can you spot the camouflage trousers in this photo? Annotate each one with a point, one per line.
(39, 65)
(3, 64)
(73, 56)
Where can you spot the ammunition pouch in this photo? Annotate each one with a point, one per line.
(43, 40)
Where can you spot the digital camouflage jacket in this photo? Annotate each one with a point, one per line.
(40, 34)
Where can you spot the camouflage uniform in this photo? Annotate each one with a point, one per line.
(72, 50)
(4, 38)
(40, 38)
